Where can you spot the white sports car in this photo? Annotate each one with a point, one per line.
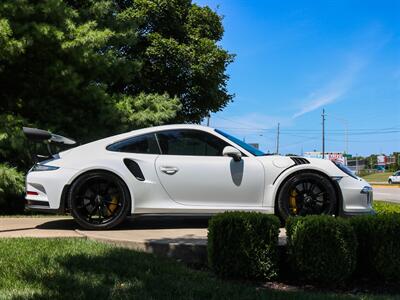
(186, 169)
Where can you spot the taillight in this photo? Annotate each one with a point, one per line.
(31, 193)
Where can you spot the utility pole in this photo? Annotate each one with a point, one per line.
(277, 139)
(323, 133)
(356, 163)
(208, 120)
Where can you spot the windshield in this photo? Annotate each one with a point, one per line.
(242, 144)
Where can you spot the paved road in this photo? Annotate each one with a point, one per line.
(387, 193)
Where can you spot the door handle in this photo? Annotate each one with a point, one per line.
(169, 170)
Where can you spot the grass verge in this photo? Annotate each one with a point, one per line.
(383, 207)
(378, 177)
(81, 269)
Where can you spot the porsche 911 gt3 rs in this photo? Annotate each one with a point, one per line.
(186, 169)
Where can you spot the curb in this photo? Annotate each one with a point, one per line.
(191, 253)
(383, 185)
(185, 251)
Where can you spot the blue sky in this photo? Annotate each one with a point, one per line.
(294, 58)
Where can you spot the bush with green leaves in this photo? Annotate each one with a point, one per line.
(321, 249)
(363, 227)
(243, 245)
(11, 189)
(378, 237)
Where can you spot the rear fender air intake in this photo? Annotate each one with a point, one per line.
(134, 168)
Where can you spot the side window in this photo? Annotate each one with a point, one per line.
(146, 144)
(190, 142)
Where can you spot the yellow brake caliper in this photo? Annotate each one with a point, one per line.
(113, 204)
(292, 201)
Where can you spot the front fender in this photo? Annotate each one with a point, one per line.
(277, 176)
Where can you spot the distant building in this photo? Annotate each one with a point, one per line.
(336, 156)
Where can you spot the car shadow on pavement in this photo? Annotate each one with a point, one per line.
(137, 223)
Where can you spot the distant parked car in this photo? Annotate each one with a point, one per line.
(395, 178)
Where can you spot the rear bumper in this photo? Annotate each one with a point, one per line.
(47, 190)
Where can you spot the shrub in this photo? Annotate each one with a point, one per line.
(11, 189)
(243, 245)
(363, 227)
(386, 247)
(382, 207)
(379, 237)
(321, 249)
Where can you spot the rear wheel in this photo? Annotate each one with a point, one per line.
(99, 200)
(306, 194)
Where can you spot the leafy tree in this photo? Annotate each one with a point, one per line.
(65, 69)
(88, 69)
(178, 51)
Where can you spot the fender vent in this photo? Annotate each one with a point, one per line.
(299, 160)
(134, 168)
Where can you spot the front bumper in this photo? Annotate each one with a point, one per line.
(357, 197)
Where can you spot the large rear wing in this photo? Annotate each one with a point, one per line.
(43, 136)
(40, 135)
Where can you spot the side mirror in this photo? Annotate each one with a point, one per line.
(232, 152)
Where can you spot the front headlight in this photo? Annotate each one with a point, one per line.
(39, 167)
(344, 169)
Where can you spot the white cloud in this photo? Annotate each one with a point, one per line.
(355, 60)
(335, 89)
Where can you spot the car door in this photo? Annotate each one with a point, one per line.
(194, 172)
(137, 155)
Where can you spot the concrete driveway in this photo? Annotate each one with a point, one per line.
(180, 237)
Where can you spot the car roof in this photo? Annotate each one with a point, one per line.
(136, 132)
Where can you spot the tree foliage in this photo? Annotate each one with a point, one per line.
(88, 69)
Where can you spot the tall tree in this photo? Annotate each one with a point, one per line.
(65, 69)
(90, 68)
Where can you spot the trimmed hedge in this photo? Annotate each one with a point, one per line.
(244, 245)
(363, 227)
(379, 239)
(321, 249)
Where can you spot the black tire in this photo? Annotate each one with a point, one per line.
(390, 181)
(306, 193)
(99, 200)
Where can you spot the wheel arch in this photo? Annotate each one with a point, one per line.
(65, 192)
(335, 184)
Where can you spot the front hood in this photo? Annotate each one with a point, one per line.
(276, 165)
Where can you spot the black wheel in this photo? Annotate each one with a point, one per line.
(99, 200)
(306, 194)
(390, 181)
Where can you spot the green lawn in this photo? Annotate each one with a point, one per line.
(386, 207)
(81, 269)
(378, 177)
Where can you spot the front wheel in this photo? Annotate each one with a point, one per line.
(390, 181)
(99, 200)
(306, 194)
